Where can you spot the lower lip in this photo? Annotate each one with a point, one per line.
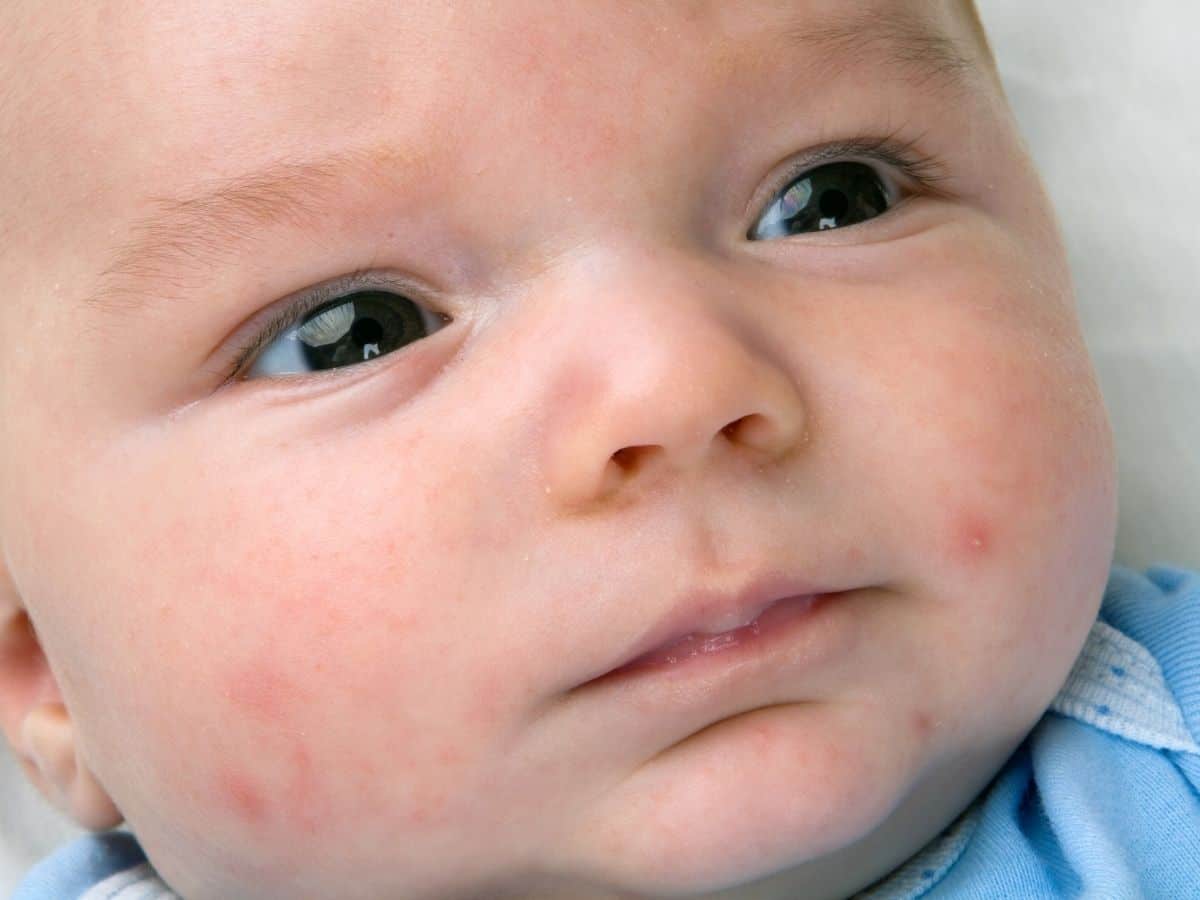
(779, 622)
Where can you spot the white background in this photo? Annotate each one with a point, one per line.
(1108, 94)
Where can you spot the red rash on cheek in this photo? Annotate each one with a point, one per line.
(261, 693)
(241, 797)
(923, 725)
(300, 794)
(249, 801)
(287, 793)
(971, 538)
(278, 782)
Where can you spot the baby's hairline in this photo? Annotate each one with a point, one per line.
(972, 12)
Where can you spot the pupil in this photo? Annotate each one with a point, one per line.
(366, 331)
(834, 204)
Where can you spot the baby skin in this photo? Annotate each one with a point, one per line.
(379, 376)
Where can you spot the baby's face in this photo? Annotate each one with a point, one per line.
(652, 299)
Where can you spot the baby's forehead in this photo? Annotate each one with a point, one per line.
(152, 99)
(225, 43)
(149, 69)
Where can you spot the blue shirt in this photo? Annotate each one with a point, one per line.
(1101, 800)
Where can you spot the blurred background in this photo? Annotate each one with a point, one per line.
(1106, 92)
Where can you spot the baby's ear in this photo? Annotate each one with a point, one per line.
(36, 723)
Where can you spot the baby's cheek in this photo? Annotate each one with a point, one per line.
(1020, 527)
(268, 705)
(971, 537)
(318, 679)
(1003, 456)
(319, 712)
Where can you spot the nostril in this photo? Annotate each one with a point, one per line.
(762, 433)
(736, 429)
(625, 458)
(629, 458)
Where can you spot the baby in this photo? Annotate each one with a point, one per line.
(562, 451)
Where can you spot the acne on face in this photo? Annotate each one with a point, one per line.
(367, 607)
(972, 540)
(267, 698)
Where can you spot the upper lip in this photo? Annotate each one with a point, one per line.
(706, 611)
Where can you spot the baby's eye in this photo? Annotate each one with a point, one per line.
(829, 196)
(351, 329)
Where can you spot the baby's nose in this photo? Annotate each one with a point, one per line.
(657, 365)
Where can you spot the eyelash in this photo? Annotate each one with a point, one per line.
(358, 280)
(902, 155)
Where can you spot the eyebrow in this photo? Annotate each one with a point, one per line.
(193, 234)
(902, 40)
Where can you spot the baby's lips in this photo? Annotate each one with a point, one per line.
(711, 642)
(706, 612)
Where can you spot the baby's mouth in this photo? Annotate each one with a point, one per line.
(681, 651)
(704, 623)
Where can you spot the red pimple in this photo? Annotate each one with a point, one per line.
(971, 538)
(923, 724)
(261, 692)
(242, 797)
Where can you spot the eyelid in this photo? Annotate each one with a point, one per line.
(904, 156)
(292, 310)
(901, 155)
